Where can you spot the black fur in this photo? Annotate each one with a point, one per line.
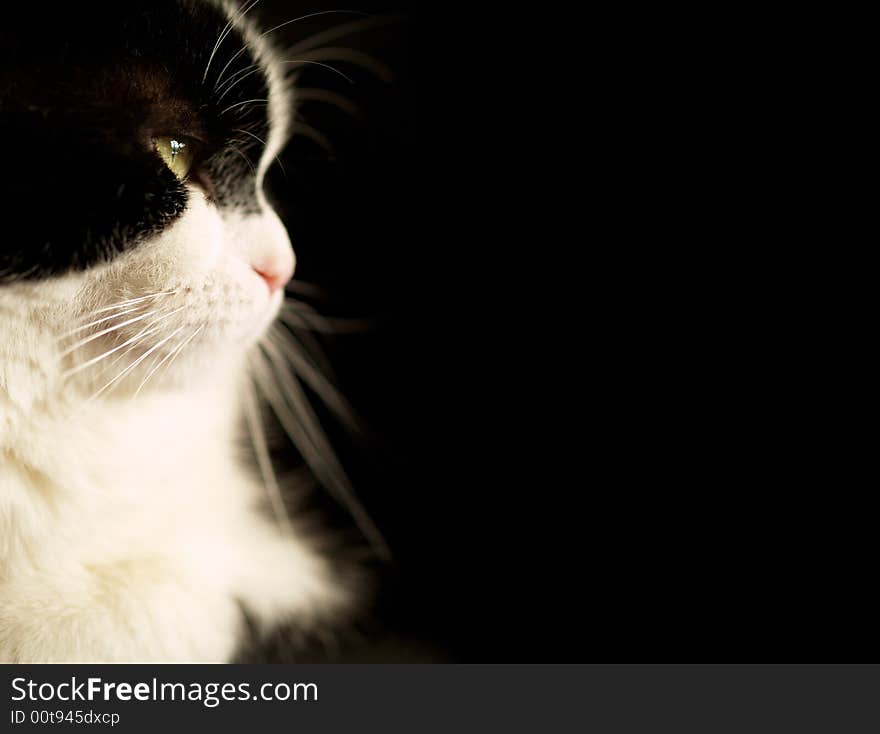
(83, 87)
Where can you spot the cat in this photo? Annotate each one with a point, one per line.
(140, 270)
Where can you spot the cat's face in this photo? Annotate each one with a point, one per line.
(137, 137)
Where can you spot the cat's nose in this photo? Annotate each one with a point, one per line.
(276, 271)
(268, 248)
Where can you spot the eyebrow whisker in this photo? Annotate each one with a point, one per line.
(241, 79)
(239, 104)
(241, 155)
(352, 56)
(316, 136)
(265, 145)
(319, 63)
(342, 30)
(256, 137)
(272, 30)
(315, 94)
(227, 29)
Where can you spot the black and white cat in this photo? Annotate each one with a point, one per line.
(140, 265)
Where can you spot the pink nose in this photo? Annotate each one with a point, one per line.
(276, 269)
(275, 277)
(268, 249)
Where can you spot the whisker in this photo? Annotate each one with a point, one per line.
(302, 425)
(313, 94)
(239, 104)
(137, 336)
(316, 136)
(264, 461)
(342, 30)
(311, 345)
(134, 364)
(108, 330)
(232, 86)
(172, 355)
(130, 301)
(79, 368)
(99, 321)
(227, 29)
(319, 63)
(124, 354)
(121, 356)
(304, 317)
(255, 137)
(305, 343)
(265, 145)
(272, 30)
(241, 155)
(311, 15)
(315, 380)
(307, 289)
(359, 58)
(219, 85)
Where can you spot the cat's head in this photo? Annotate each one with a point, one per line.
(138, 246)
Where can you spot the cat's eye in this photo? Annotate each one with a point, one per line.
(178, 153)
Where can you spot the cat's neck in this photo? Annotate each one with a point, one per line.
(76, 441)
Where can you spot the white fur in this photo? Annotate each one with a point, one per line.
(129, 527)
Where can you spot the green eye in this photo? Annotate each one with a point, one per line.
(178, 153)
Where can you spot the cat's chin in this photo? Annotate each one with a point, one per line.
(265, 319)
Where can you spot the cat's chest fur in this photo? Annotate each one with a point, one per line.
(136, 535)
